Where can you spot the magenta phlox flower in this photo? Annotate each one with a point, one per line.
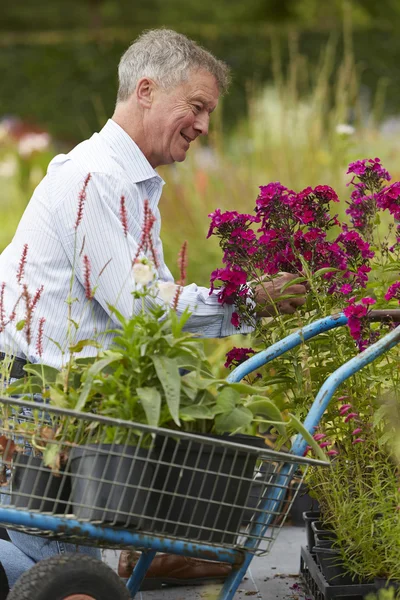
(235, 319)
(356, 431)
(225, 222)
(346, 289)
(393, 292)
(358, 441)
(319, 436)
(389, 199)
(325, 444)
(273, 191)
(358, 323)
(371, 167)
(332, 453)
(232, 278)
(243, 234)
(269, 238)
(368, 301)
(344, 409)
(236, 356)
(325, 193)
(355, 245)
(357, 168)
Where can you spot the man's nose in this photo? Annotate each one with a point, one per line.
(202, 122)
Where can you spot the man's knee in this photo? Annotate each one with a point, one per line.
(4, 588)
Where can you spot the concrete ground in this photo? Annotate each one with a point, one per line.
(272, 577)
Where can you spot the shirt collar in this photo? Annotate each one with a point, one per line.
(136, 163)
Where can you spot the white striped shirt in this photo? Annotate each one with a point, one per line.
(118, 168)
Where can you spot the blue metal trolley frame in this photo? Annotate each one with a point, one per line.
(239, 558)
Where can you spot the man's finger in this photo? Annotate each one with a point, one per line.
(297, 288)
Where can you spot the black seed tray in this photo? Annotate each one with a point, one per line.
(318, 588)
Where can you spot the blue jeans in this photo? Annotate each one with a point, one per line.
(25, 550)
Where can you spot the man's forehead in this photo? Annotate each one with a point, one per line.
(204, 87)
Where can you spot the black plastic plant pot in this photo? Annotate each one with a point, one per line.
(308, 518)
(203, 489)
(111, 483)
(383, 583)
(324, 540)
(319, 528)
(301, 504)
(331, 566)
(35, 487)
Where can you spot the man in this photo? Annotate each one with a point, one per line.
(168, 88)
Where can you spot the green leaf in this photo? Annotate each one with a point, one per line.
(295, 281)
(299, 427)
(46, 373)
(168, 374)
(227, 399)
(150, 398)
(95, 368)
(33, 385)
(266, 408)
(245, 388)
(102, 363)
(324, 270)
(58, 398)
(196, 412)
(82, 344)
(51, 456)
(239, 418)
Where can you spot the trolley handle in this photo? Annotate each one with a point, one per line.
(288, 343)
(306, 333)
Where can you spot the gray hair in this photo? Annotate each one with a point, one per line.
(167, 57)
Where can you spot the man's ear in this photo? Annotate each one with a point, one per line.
(145, 89)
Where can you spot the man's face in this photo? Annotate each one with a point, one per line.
(178, 116)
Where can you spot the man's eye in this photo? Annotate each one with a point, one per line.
(198, 107)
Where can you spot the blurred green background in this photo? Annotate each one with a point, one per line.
(316, 83)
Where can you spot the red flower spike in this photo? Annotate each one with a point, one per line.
(22, 263)
(82, 198)
(124, 216)
(39, 340)
(86, 277)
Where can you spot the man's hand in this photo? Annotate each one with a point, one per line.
(270, 291)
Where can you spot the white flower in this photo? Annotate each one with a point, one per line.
(167, 291)
(142, 273)
(33, 142)
(345, 129)
(8, 167)
(4, 131)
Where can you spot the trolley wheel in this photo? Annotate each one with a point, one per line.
(69, 577)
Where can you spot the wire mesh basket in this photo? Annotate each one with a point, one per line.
(213, 490)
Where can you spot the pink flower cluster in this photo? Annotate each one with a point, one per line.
(290, 229)
(393, 292)
(238, 355)
(287, 228)
(358, 322)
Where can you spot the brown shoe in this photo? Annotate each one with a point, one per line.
(173, 569)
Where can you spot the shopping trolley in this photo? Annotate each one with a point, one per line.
(131, 486)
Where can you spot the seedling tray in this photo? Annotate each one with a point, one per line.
(318, 588)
